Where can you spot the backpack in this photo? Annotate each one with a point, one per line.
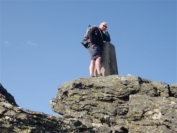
(85, 41)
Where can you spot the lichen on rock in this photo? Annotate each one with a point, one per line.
(111, 104)
(119, 104)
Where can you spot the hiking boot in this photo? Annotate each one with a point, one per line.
(91, 76)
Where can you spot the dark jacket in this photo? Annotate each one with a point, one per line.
(97, 37)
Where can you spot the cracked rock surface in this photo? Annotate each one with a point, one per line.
(14, 119)
(119, 104)
(111, 104)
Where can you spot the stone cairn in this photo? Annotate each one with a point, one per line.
(108, 60)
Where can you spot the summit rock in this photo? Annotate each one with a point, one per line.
(119, 104)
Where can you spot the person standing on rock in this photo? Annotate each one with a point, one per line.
(97, 36)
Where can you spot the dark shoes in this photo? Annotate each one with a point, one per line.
(98, 75)
(91, 76)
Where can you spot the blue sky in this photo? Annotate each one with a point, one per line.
(40, 43)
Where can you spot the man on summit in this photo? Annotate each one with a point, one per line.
(97, 36)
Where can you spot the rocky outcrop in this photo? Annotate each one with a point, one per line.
(119, 104)
(14, 119)
(6, 97)
(111, 104)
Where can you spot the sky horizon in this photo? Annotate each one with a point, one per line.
(41, 43)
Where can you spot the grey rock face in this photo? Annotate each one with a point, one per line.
(119, 104)
(14, 119)
(173, 90)
(6, 97)
(112, 104)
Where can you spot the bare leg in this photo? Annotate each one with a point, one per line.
(98, 65)
(92, 66)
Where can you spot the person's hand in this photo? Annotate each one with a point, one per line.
(106, 32)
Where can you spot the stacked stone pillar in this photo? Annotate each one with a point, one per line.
(108, 60)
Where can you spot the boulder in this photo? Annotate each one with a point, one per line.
(119, 104)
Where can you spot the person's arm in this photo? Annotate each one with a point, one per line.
(92, 35)
(108, 38)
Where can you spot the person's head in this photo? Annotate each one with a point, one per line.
(103, 26)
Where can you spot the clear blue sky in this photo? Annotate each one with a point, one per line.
(40, 43)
